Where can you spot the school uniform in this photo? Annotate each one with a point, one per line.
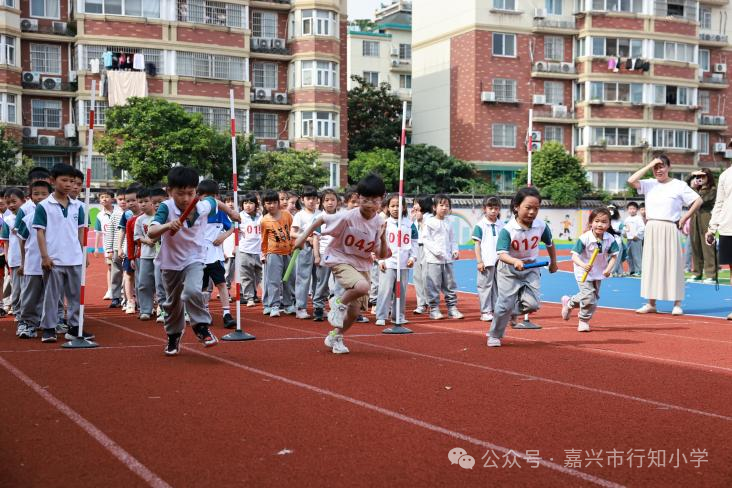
(31, 297)
(589, 290)
(111, 238)
(250, 252)
(439, 246)
(419, 266)
(634, 230)
(486, 234)
(304, 266)
(13, 259)
(146, 269)
(216, 223)
(386, 299)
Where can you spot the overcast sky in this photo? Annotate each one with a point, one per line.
(363, 9)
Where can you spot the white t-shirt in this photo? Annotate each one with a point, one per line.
(634, 226)
(486, 233)
(354, 239)
(29, 235)
(141, 226)
(228, 246)
(439, 240)
(664, 201)
(522, 243)
(585, 247)
(409, 242)
(250, 233)
(187, 246)
(303, 219)
(324, 240)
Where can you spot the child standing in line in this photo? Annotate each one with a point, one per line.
(634, 230)
(14, 198)
(518, 244)
(597, 237)
(320, 244)
(396, 229)
(3, 262)
(250, 249)
(485, 235)
(357, 233)
(229, 252)
(421, 211)
(101, 227)
(182, 255)
(31, 297)
(158, 196)
(59, 222)
(617, 224)
(276, 250)
(111, 248)
(146, 269)
(128, 278)
(441, 250)
(304, 265)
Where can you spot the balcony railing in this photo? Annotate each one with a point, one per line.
(714, 120)
(555, 23)
(71, 86)
(554, 67)
(717, 78)
(556, 112)
(704, 36)
(57, 28)
(269, 45)
(53, 143)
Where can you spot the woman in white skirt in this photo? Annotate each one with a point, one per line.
(663, 268)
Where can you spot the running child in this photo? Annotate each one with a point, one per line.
(250, 249)
(276, 250)
(329, 205)
(357, 233)
(14, 198)
(597, 237)
(182, 255)
(485, 235)
(518, 244)
(304, 265)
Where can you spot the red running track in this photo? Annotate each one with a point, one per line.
(283, 411)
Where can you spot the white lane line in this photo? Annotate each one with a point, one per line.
(388, 413)
(115, 449)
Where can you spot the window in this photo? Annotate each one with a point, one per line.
(152, 56)
(319, 124)
(212, 13)
(264, 75)
(132, 8)
(553, 48)
(554, 92)
(503, 180)
(673, 51)
(504, 4)
(371, 48)
(686, 9)
(705, 17)
(673, 95)
(45, 8)
(505, 89)
(553, 7)
(554, 133)
(319, 23)
(616, 92)
(46, 114)
(8, 110)
(615, 181)
(405, 81)
(264, 24)
(319, 73)
(405, 51)
(702, 145)
(7, 50)
(704, 59)
(45, 58)
(615, 136)
(504, 135)
(264, 125)
(334, 169)
(100, 112)
(611, 46)
(220, 117)
(215, 66)
(371, 77)
(704, 100)
(504, 44)
(615, 5)
(672, 138)
(49, 162)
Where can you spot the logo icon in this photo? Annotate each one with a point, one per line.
(466, 462)
(460, 457)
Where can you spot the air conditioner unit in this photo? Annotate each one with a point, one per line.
(487, 96)
(559, 111)
(720, 68)
(262, 94)
(278, 43)
(30, 132)
(718, 38)
(280, 98)
(536, 136)
(705, 37)
(395, 62)
(535, 146)
(59, 27)
(260, 42)
(719, 120)
(539, 66)
(47, 140)
(283, 144)
(29, 25)
(567, 67)
(539, 13)
(395, 51)
(539, 99)
(728, 154)
(31, 77)
(707, 119)
(720, 147)
(51, 83)
(69, 131)
(263, 147)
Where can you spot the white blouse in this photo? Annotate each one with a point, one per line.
(664, 201)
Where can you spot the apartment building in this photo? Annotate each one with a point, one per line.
(383, 54)
(612, 80)
(285, 60)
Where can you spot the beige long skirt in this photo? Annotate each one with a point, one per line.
(663, 265)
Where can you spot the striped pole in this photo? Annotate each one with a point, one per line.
(238, 334)
(79, 342)
(398, 328)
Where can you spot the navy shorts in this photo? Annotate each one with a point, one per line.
(215, 272)
(126, 266)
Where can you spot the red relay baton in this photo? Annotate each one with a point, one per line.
(186, 213)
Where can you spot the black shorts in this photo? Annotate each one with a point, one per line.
(725, 250)
(127, 267)
(215, 272)
(2, 261)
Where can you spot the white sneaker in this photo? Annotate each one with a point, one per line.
(144, 316)
(159, 311)
(330, 339)
(290, 310)
(583, 326)
(436, 314)
(274, 312)
(419, 310)
(187, 317)
(107, 296)
(709, 281)
(266, 310)
(130, 309)
(494, 342)
(486, 317)
(20, 330)
(454, 313)
(403, 322)
(337, 313)
(161, 318)
(380, 322)
(302, 314)
(677, 311)
(729, 317)
(338, 346)
(565, 307)
(646, 309)
(250, 303)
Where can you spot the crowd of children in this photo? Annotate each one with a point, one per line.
(163, 261)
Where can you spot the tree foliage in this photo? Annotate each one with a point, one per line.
(557, 174)
(148, 136)
(384, 162)
(285, 170)
(13, 171)
(374, 117)
(246, 147)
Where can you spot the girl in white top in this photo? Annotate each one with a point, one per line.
(485, 235)
(421, 211)
(250, 249)
(662, 277)
(329, 204)
(396, 229)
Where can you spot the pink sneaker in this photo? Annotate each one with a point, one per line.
(565, 307)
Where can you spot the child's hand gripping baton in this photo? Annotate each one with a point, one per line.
(186, 213)
(536, 264)
(592, 260)
(291, 266)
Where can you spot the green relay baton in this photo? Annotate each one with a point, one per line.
(291, 266)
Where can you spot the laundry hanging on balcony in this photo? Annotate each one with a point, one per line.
(125, 84)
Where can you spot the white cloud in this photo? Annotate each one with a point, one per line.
(363, 9)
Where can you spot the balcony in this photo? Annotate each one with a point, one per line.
(56, 86)
(712, 122)
(56, 28)
(555, 24)
(708, 39)
(269, 45)
(713, 80)
(53, 144)
(268, 96)
(554, 69)
(558, 114)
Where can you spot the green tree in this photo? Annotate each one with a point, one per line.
(285, 170)
(364, 25)
(384, 162)
(148, 136)
(246, 147)
(557, 174)
(374, 117)
(13, 170)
